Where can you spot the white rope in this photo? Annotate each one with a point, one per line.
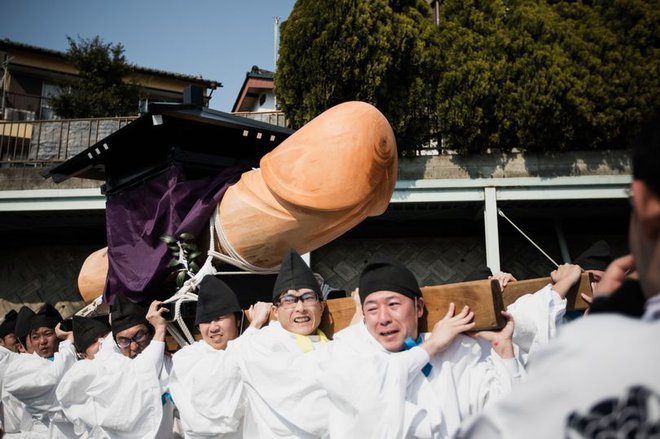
(232, 257)
(499, 211)
(91, 308)
(186, 293)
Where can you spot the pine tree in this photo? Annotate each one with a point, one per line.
(100, 90)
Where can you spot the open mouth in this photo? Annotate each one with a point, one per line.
(389, 333)
(302, 319)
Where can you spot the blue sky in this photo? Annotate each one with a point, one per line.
(218, 39)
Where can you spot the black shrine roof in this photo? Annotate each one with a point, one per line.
(199, 139)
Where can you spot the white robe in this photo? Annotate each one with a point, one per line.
(536, 317)
(605, 359)
(32, 381)
(378, 394)
(283, 399)
(113, 396)
(208, 392)
(11, 410)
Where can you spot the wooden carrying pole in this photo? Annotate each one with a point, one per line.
(484, 297)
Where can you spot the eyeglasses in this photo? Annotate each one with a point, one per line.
(124, 342)
(289, 300)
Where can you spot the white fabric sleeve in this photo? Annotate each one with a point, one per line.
(33, 380)
(413, 360)
(113, 396)
(536, 318)
(207, 390)
(153, 355)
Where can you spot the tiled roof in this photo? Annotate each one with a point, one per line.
(6, 44)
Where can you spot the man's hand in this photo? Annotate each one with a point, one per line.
(564, 277)
(503, 278)
(155, 317)
(259, 313)
(446, 330)
(616, 273)
(63, 335)
(501, 341)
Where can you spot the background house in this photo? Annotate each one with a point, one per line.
(256, 98)
(30, 77)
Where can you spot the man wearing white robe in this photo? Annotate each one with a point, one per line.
(283, 400)
(600, 377)
(378, 391)
(120, 393)
(33, 378)
(13, 410)
(205, 381)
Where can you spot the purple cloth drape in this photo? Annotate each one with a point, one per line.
(169, 204)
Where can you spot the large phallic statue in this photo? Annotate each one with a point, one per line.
(323, 180)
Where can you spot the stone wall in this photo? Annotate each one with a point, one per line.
(442, 260)
(37, 274)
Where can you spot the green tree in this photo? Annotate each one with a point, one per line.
(379, 51)
(540, 75)
(100, 90)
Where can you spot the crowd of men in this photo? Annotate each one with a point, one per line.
(379, 378)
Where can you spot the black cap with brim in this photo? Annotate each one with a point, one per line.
(23, 320)
(126, 314)
(46, 317)
(294, 274)
(596, 257)
(214, 299)
(87, 330)
(385, 274)
(8, 323)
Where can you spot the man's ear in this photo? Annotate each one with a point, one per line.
(647, 209)
(420, 307)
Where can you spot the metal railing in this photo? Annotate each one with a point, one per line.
(272, 117)
(43, 142)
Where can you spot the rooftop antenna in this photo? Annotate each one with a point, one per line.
(276, 40)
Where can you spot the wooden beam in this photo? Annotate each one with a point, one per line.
(514, 290)
(484, 298)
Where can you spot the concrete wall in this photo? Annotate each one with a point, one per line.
(574, 163)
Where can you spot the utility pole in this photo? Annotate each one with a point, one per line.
(276, 40)
(276, 48)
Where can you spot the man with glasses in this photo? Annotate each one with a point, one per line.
(205, 383)
(123, 391)
(274, 365)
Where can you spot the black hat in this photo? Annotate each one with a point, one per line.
(215, 299)
(8, 323)
(480, 273)
(23, 320)
(47, 316)
(87, 330)
(126, 314)
(596, 257)
(384, 274)
(294, 275)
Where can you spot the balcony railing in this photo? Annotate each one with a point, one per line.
(43, 142)
(272, 117)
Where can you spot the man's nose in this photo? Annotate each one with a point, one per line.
(384, 316)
